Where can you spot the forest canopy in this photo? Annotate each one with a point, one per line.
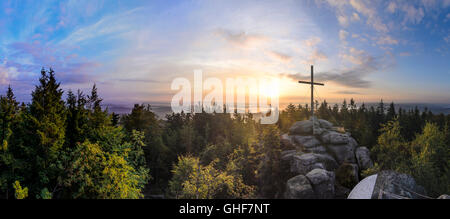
(74, 148)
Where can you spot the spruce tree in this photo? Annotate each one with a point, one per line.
(77, 117)
(45, 127)
(8, 110)
(98, 118)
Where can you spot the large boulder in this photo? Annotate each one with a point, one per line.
(306, 141)
(299, 187)
(322, 182)
(287, 142)
(363, 158)
(343, 153)
(347, 175)
(289, 154)
(301, 128)
(333, 137)
(393, 185)
(306, 162)
(325, 124)
(306, 127)
(318, 150)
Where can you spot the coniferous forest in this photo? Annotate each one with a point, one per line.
(65, 145)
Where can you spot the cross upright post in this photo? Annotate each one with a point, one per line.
(312, 83)
(312, 91)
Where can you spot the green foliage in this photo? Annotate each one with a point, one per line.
(431, 159)
(143, 123)
(270, 174)
(45, 194)
(46, 145)
(181, 172)
(20, 193)
(426, 158)
(193, 180)
(99, 174)
(392, 150)
(371, 171)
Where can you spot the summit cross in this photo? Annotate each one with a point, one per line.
(312, 83)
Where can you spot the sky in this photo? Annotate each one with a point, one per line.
(133, 49)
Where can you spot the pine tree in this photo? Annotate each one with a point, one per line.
(45, 127)
(8, 110)
(391, 114)
(270, 173)
(98, 118)
(77, 118)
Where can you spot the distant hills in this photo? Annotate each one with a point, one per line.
(162, 109)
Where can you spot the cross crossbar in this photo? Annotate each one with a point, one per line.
(309, 82)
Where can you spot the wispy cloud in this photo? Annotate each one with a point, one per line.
(242, 39)
(280, 56)
(353, 77)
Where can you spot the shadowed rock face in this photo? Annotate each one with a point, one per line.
(323, 152)
(299, 187)
(393, 185)
(322, 182)
(306, 162)
(363, 158)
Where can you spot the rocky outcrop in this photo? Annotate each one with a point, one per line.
(318, 150)
(394, 185)
(363, 158)
(343, 153)
(299, 187)
(306, 162)
(322, 182)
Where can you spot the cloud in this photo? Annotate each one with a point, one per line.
(387, 40)
(355, 56)
(312, 42)
(370, 13)
(242, 39)
(315, 56)
(405, 54)
(347, 78)
(412, 14)
(343, 20)
(355, 17)
(28, 58)
(343, 35)
(429, 4)
(392, 7)
(280, 56)
(353, 77)
(107, 26)
(445, 3)
(367, 10)
(6, 74)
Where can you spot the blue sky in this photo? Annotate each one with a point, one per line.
(396, 50)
